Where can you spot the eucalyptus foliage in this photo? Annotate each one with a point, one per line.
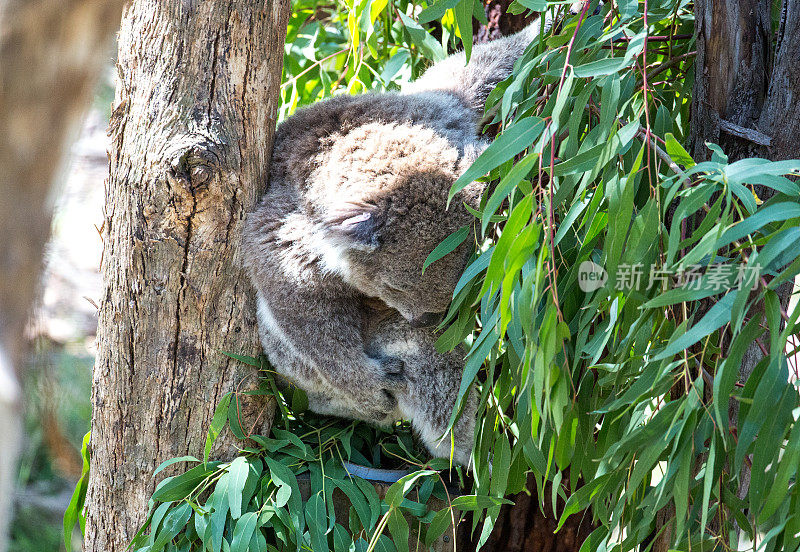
(356, 46)
(620, 395)
(256, 502)
(615, 289)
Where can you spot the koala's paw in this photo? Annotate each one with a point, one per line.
(376, 404)
(388, 372)
(394, 369)
(387, 402)
(379, 387)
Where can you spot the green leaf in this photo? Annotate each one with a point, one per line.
(507, 185)
(788, 466)
(237, 478)
(533, 5)
(75, 508)
(282, 476)
(357, 500)
(517, 221)
(317, 521)
(777, 183)
(745, 169)
(468, 503)
(498, 485)
(708, 481)
(677, 153)
(595, 539)
(581, 162)
(427, 45)
(769, 214)
(715, 318)
(171, 461)
(217, 423)
(627, 9)
(600, 67)
(463, 13)
(440, 523)
(181, 486)
(398, 528)
(257, 542)
(515, 139)
(448, 245)
(579, 500)
(398, 490)
(436, 11)
(219, 503)
(174, 521)
(234, 413)
(341, 539)
(563, 99)
(250, 361)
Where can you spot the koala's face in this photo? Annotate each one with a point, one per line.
(391, 269)
(384, 203)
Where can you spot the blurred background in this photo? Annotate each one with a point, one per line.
(57, 382)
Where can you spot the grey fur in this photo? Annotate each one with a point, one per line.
(425, 395)
(356, 202)
(488, 65)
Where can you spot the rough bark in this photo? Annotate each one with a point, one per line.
(780, 118)
(191, 139)
(732, 72)
(743, 83)
(500, 21)
(745, 100)
(51, 52)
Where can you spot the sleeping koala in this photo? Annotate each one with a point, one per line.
(425, 395)
(356, 202)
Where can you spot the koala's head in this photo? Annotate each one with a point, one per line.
(383, 205)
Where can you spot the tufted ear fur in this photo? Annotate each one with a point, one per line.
(357, 224)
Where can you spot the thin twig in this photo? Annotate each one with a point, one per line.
(668, 64)
(657, 38)
(650, 180)
(661, 154)
(550, 215)
(310, 67)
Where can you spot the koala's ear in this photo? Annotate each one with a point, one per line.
(357, 224)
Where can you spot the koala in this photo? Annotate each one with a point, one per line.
(357, 200)
(425, 395)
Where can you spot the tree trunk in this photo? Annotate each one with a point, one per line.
(733, 47)
(191, 140)
(745, 95)
(51, 52)
(745, 100)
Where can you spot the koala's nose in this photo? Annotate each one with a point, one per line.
(427, 319)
